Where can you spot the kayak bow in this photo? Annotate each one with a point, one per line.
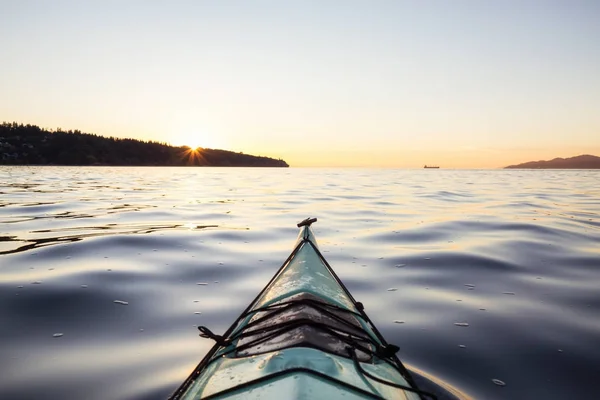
(304, 336)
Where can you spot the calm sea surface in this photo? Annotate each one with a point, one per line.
(514, 254)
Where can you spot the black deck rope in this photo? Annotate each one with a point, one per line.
(207, 333)
(383, 352)
(284, 326)
(357, 342)
(350, 338)
(279, 308)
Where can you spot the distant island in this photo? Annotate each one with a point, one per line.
(31, 145)
(584, 161)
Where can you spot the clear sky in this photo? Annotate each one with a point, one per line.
(465, 84)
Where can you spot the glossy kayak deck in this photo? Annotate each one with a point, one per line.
(303, 337)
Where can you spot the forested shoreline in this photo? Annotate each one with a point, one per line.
(22, 144)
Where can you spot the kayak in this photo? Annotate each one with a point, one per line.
(303, 337)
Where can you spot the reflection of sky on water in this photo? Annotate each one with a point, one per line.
(147, 236)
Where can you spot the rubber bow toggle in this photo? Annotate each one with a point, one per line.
(307, 222)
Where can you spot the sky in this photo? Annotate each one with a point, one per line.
(460, 84)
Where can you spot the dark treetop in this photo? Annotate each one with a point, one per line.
(579, 162)
(29, 144)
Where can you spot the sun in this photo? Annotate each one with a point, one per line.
(195, 147)
(200, 140)
(194, 156)
(194, 137)
(195, 130)
(195, 143)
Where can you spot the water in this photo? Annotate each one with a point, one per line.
(105, 272)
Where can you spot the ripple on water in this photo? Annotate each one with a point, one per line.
(74, 240)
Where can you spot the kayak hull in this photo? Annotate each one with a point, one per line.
(288, 365)
(293, 340)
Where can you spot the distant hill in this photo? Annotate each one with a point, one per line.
(579, 162)
(31, 145)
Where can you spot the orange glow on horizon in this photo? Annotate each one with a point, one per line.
(483, 158)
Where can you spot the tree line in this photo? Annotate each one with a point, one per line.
(31, 145)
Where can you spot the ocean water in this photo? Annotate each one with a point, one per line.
(99, 271)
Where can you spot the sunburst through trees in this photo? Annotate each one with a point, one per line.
(194, 156)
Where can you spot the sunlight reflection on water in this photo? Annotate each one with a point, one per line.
(453, 243)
